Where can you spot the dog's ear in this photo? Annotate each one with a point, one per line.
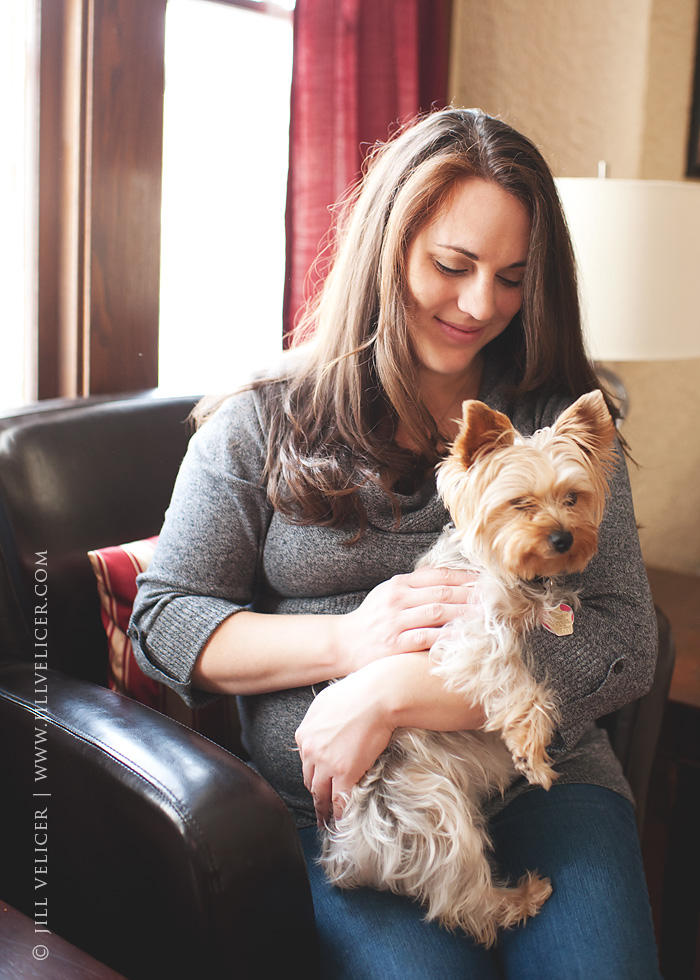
(482, 430)
(589, 423)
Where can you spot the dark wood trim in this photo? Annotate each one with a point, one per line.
(101, 140)
(693, 168)
(63, 154)
(123, 191)
(53, 164)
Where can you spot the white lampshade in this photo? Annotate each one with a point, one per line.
(638, 248)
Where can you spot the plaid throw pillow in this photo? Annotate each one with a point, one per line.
(116, 569)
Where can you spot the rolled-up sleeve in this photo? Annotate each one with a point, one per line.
(207, 560)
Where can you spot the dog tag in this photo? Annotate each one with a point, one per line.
(561, 621)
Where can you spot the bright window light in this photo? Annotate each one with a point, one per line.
(17, 194)
(228, 78)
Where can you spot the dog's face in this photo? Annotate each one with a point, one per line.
(530, 507)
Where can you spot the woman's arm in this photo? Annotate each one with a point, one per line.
(193, 625)
(209, 550)
(253, 653)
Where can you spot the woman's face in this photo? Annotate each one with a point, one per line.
(464, 275)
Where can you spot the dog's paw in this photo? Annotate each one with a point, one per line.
(538, 772)
(532, 761)
(527, 742)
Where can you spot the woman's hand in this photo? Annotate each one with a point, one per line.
(342, 735)
(404, 615)
(350, 723)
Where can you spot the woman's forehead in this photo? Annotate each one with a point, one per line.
(480, 216)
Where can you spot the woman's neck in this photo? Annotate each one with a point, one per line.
(443, 396)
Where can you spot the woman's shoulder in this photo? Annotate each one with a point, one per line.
(240, 423)
(221, 413)
(233, 434)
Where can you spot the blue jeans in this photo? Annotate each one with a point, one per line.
(596, 926)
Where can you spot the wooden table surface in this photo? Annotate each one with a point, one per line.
(38, 956)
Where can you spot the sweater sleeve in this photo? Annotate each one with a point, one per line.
(609, 659)
(208, 555)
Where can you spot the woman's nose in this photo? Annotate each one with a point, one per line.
(476, 298)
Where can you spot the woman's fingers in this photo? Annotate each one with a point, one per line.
(431, 586)
(406, 613)
(322, 797)
(330, 798)
(430, 575)
(320, 788)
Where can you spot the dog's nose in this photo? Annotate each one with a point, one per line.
(561, 540)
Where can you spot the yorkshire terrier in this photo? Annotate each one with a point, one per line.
(525, 512)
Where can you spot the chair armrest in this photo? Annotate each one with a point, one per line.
(634, 730)
(165, 854)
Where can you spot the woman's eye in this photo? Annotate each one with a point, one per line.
(511, 283)
(447, 270)
(570, 499)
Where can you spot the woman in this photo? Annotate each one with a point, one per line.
(305, 501)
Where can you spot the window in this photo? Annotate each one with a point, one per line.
(225, 152)
(17, 187)
(83, 212)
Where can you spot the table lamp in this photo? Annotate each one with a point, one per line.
(637, 244)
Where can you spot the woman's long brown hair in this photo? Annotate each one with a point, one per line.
(334, 412)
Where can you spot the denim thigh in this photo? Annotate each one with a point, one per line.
(596, 925)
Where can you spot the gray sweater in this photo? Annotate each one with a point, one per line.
(222, 549)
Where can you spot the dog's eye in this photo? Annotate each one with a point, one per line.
(521, 503)
(570, 499)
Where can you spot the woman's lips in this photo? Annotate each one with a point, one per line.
(460, 332)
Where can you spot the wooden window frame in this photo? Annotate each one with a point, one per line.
(100, 169)
(100, 159)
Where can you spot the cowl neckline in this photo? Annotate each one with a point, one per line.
(422, 508)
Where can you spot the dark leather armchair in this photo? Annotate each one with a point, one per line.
(166, 855)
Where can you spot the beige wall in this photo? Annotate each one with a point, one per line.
(606, 81)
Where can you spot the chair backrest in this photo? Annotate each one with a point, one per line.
(77, 474)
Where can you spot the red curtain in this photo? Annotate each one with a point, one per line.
(359, 67)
